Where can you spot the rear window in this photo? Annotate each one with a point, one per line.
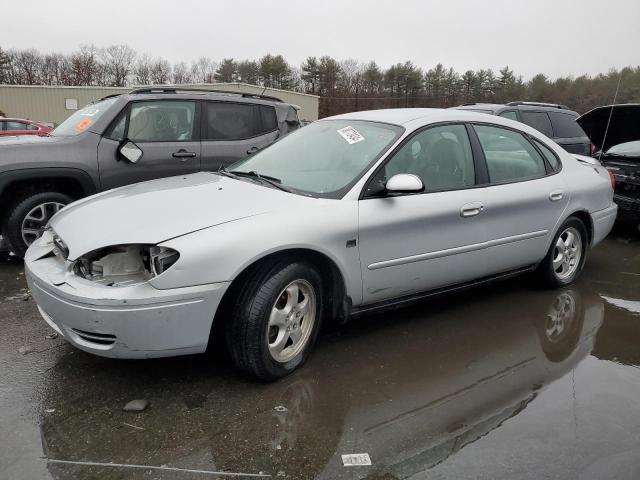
(565, 125)
(538, 120)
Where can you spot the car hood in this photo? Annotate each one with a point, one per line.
(624, 125)
(158, 210)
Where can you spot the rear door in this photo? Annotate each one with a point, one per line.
(415, 242)
(167, 132)
(233, 130)
(568, 134)
(524, 200)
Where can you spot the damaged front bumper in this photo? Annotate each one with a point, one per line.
(137, 321)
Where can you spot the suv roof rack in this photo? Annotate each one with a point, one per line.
(138, 91)
(538, 104)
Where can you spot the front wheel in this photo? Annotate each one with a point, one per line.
(276, 319)
(566, 256)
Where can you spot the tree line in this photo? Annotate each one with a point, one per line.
(343, 85)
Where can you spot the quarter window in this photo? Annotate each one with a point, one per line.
(510, 157)
(440, 156)
(237, 121)
(510, 114)
(538, 120)
(161, 121)
(549, 155)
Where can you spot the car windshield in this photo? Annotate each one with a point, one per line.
(324, 158)
(82, 119)
(627, 149)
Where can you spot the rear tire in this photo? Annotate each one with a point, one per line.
(566, 256)
(275, 319)
(27, 217)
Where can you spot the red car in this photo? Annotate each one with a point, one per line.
(18, 126)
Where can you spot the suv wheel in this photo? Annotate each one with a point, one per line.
(276, 319)
(28, 217)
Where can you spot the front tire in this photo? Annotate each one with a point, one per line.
(566, 256)
(28, 216)
(276, 319)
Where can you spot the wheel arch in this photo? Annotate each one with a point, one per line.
(338, 303)
(70, 181)
(585, 217)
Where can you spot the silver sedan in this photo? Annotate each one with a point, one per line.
(350, 214)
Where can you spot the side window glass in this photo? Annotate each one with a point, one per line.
(549, 155)
(3, 126)
(510, 114)
(232, 121)
(15, 126)
(116, 130)
(161, 121)
(440, 156)
(565, 125)
(538, 120)
(510, 157)
(268, 119)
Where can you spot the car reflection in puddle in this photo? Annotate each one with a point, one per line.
(411, 387)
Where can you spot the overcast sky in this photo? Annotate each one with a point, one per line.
(557, 37)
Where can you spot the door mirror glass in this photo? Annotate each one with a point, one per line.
(404, 183)
(130, 151)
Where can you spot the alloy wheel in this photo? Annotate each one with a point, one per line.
(291, 321)
(567, 253)
(35, 221)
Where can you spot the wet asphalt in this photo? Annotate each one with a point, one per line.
(506, 381)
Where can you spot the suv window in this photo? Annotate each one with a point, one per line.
(565, 125)
(238, 121)
(440, 156)
(161, 121)
(510, 114)
(510, 157)
(538, 120)
(549, 155)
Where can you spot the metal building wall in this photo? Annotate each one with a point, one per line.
(48, 103)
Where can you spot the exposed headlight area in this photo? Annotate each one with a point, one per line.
(125, 265)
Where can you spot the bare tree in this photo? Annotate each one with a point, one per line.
(118, 62)
(29, 66)
(160, 71)
(181, 73)
(142, 70)
(203, 70)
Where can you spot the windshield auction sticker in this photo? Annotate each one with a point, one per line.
(351, 135)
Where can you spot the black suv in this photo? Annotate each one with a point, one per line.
(145, 134)
(555, 121)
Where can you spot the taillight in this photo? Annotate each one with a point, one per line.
(613, 179)
(592, 149)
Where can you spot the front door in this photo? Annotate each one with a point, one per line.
(416, 242)
(167, 133)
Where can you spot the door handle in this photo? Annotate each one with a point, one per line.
(556, 195)
(182, 153)
(471, 209)
(252, 150)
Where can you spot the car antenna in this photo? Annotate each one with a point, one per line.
(606, 130)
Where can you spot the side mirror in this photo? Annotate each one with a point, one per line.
(404, 183)
(130, 151)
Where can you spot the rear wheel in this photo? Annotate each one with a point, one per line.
(566, 256)
(276, 319)
(28, 217)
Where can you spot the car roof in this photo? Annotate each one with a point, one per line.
(403, 116)
(195, 95)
